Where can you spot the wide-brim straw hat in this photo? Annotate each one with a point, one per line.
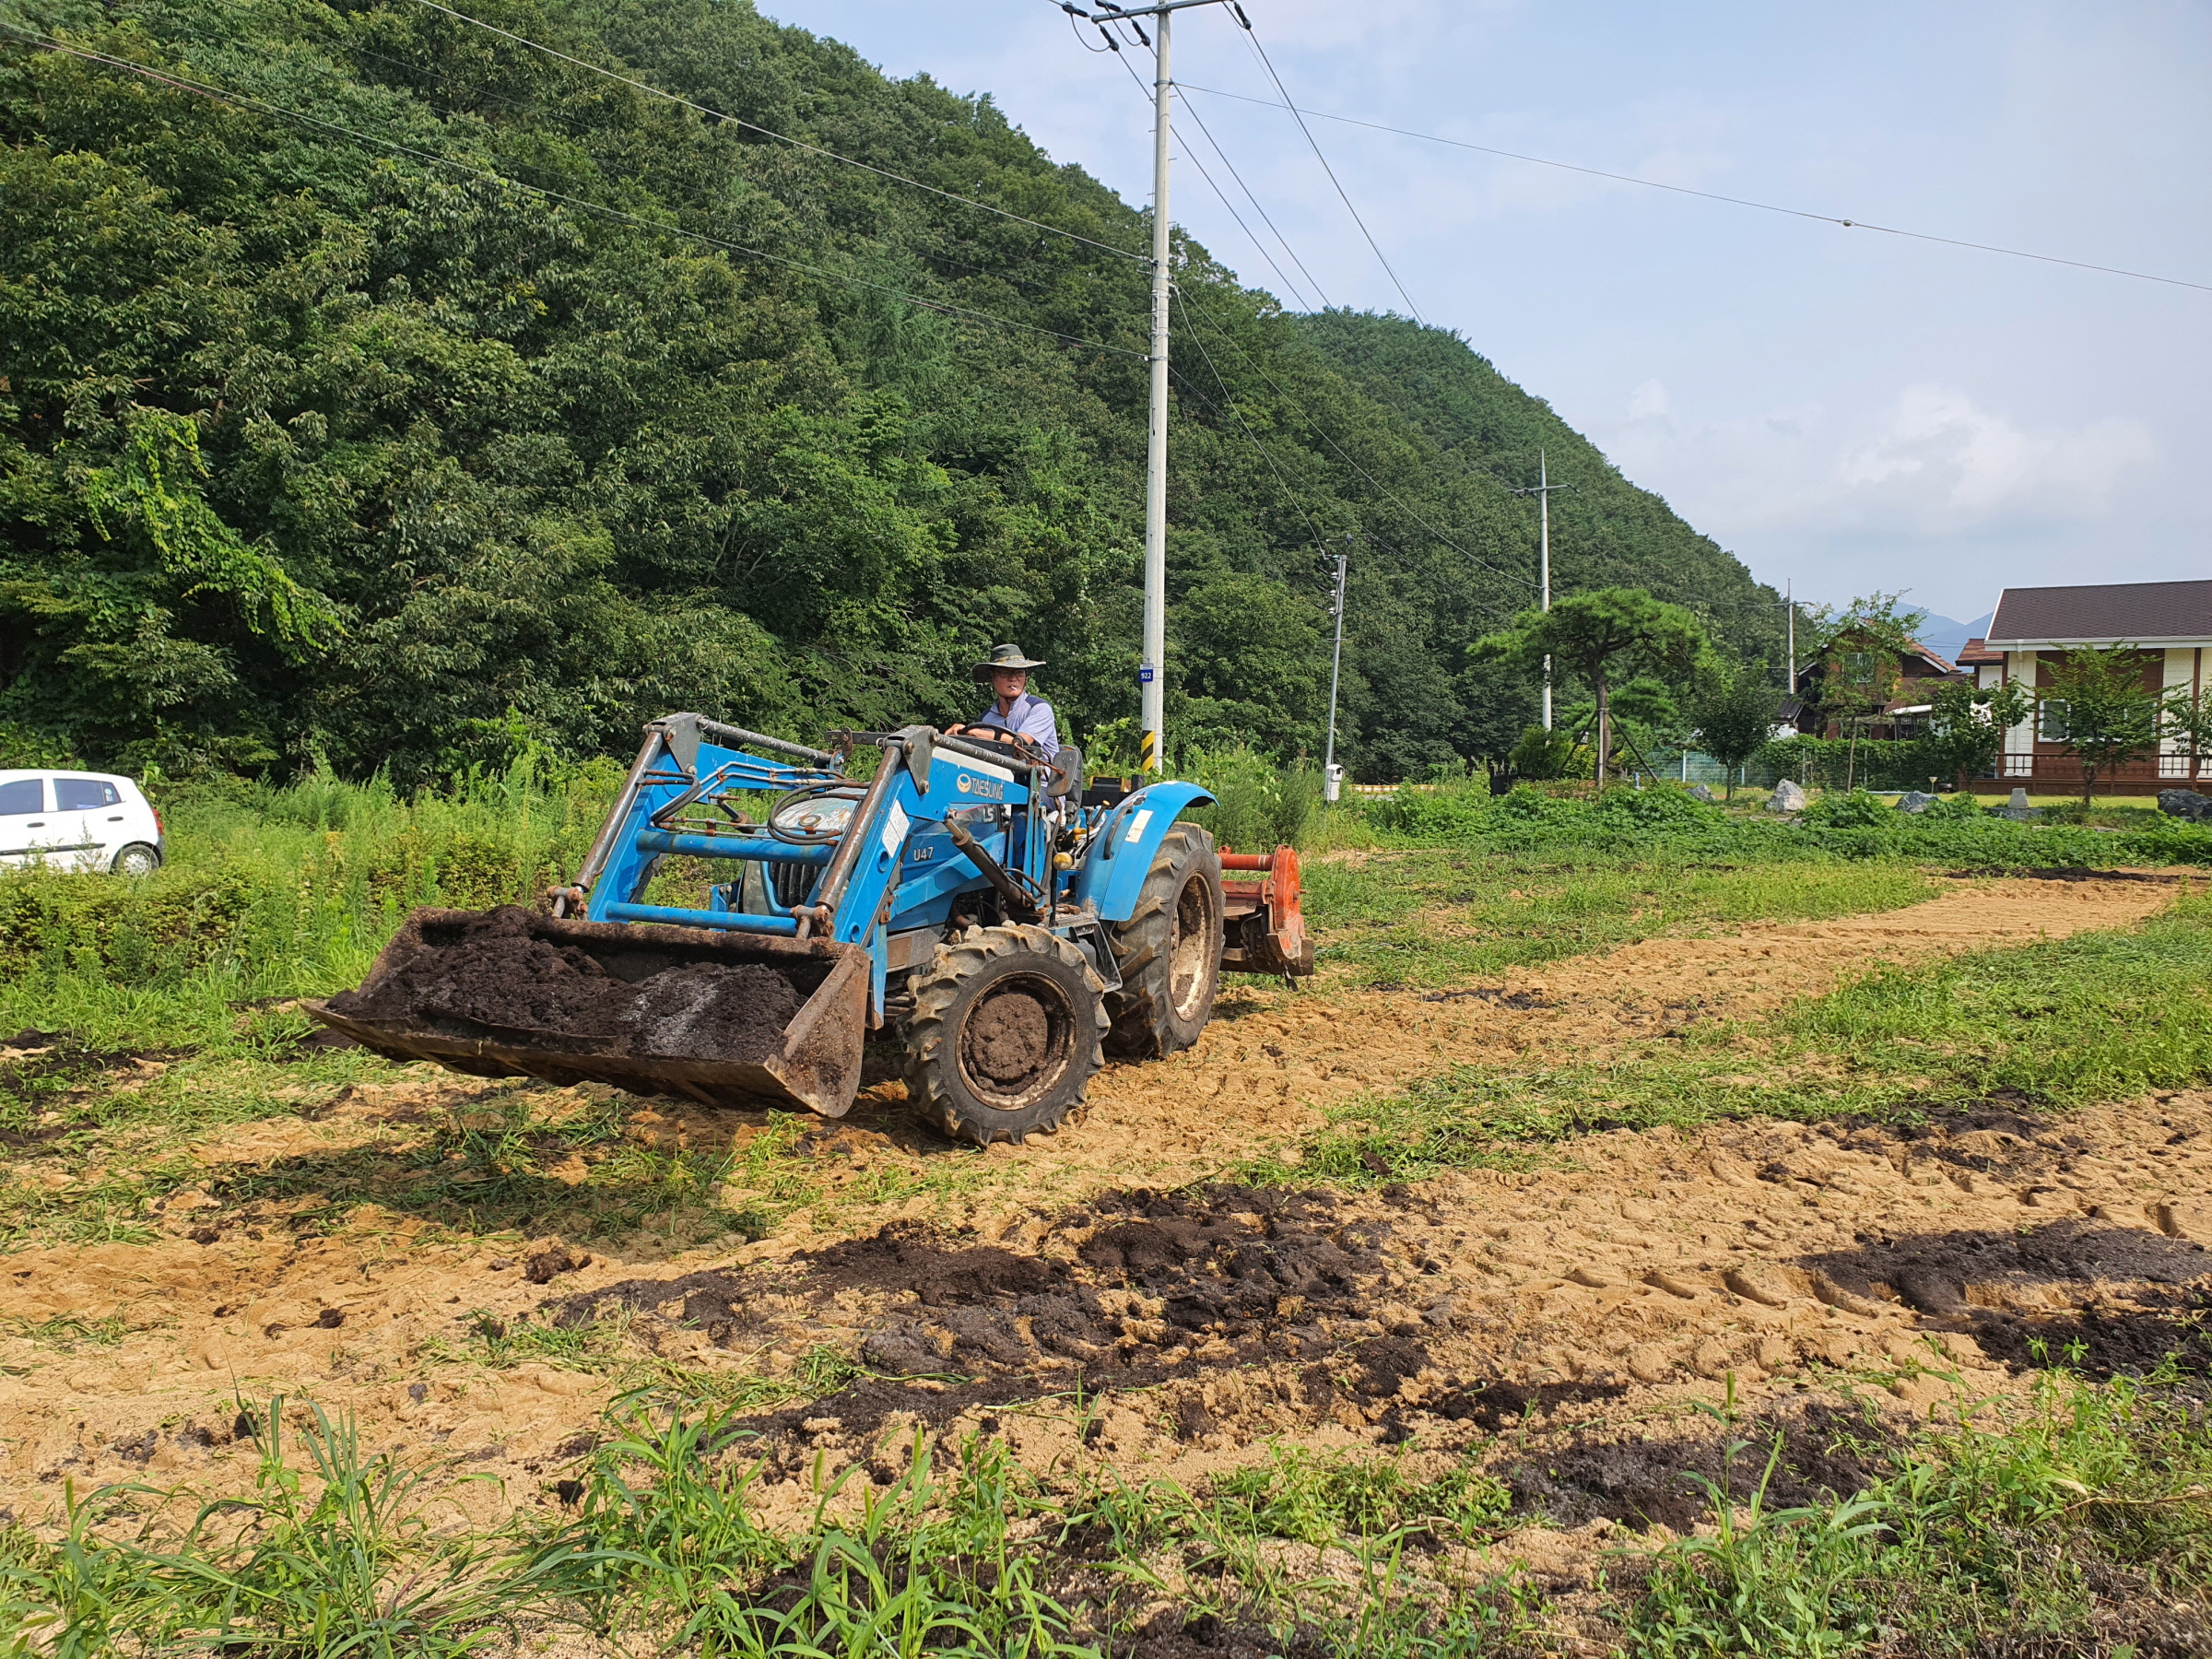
(1003, 656)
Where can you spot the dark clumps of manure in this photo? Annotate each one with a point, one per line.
(1824, 1454)
(495, 973)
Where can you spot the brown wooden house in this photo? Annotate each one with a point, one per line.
(1906, 682)
(2168, 622)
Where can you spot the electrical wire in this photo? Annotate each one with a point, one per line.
(1257, 208)
(246, 101)
(1252, 36)
(1599, 173)
(1236, 414)
(1207, 174)
(752, 126)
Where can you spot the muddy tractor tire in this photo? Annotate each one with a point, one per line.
(1170, 950)
(1006, 1034)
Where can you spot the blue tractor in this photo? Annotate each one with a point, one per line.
(1011, 924)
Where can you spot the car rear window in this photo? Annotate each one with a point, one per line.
(82, 794)
(24, 795)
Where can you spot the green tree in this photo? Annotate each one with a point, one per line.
(1499, 705)
(1604, 636)
(1544, 755)
(1731, 707)
(2188, 719)
(1967, 725)
(2094, 700)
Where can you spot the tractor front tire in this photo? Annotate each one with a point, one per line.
(1170, 949)
(1006, 1034)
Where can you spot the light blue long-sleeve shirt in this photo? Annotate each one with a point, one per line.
(1032, 718)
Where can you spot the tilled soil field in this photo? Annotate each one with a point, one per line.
(1105, 1298)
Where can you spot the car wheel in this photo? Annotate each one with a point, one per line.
(137, 859)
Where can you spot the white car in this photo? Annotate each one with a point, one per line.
(77, 821)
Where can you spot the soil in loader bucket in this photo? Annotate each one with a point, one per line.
(667, 1010)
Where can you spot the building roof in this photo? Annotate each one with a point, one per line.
(1977, 652)
(2135, 613)
(1941, 664)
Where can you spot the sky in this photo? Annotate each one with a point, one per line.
(1847, 410)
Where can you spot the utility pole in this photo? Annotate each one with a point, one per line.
(1332, 784)
(1152, 685)
(1542, 491)
(1789, 601)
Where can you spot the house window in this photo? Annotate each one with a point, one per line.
(2051, 725)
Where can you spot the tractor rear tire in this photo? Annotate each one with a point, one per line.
(1006, 1034)
(1170, 950)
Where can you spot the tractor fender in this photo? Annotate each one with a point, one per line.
(1120, 857)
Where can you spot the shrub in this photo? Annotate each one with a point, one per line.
(1857, 810)
(1258, 804)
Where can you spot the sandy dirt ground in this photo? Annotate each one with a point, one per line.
(1563, 1322)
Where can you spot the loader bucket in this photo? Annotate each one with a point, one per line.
(1266, 930)
(722, 1018)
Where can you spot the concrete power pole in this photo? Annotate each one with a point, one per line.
(1789, 602)
(1542, 491)
(1332, 781)
(1152, 687)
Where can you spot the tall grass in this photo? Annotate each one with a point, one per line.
(341, 1556)
(1666, 820)
(275, 891)
(1259, 804)
(2033, 1525)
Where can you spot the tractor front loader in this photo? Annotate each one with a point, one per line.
(1012, 926)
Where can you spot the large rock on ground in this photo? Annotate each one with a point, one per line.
(2185, 803)
(1698, 792)
(1787, 797)
(1915, 801)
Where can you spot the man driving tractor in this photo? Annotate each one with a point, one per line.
(1016, 710)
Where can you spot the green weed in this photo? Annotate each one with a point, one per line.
(1320, 1498)
(2034, 1521)
(667, 1534)
(1664, 823)
(339, 1558)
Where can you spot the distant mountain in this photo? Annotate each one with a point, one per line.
(1949, 637)
(316, 448)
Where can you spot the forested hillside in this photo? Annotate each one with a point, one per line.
(428, 393)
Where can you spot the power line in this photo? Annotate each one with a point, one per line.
(1238, 415)
(1255, 200)
(1599, 173)
(246, 101)
(1208, 177)
(1252, 35)
(751, 126)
